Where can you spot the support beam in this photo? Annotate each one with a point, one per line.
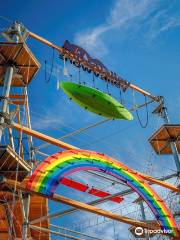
(143, 216)
(10, 133)
(85, 207)
(42, 136)
(6, 89)
(67, 146)
(10, 223)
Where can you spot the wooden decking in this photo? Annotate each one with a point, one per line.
(20, 56)
(38, 208)
(10, 161)
(161, 139)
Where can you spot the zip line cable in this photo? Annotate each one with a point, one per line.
(64, 125)
(76, 132)
(79, 131)
(111, 146)
(5, 19)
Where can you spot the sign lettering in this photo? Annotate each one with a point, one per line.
(83, 59)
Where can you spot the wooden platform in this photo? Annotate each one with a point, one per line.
(9, 160)
(161, 139)
(3, 223)
(38, 208)
(22, 58)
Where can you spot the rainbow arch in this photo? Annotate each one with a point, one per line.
(47, 175)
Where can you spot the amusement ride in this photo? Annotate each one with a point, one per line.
(28, 184)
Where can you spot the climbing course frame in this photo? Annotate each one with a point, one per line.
(42, 183)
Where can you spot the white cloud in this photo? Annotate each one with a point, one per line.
(58, 117)
(162, 21)
(47, 119)
(122, 12)
(129, 15)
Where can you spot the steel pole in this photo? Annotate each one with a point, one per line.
(32, 157)
(172, 144)
(5, 95)
(143, 216)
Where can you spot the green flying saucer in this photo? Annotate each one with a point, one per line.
(95, 101)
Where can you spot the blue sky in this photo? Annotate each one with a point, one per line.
(139, 40)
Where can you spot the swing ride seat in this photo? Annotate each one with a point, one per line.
(21, 57)
(161, 139)
(96, 101)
